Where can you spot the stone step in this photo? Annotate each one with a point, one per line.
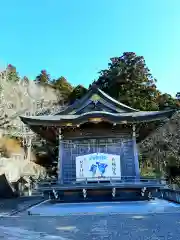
(36, 193)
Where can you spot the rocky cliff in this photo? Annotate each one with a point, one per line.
(22, 97)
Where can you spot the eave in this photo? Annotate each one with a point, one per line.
(118, 118)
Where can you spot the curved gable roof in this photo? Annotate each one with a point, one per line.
(104, 98)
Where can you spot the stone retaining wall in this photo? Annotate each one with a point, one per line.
(9, 207)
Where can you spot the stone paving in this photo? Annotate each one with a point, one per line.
(119, 226)
(126, 227)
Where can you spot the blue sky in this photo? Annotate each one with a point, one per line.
(76, 38)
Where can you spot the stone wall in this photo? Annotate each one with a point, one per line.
(171, 195)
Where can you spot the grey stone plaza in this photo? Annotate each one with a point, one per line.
(155, 220)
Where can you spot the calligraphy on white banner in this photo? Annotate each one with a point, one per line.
(97, 166)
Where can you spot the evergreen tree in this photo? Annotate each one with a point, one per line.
(63, 88)
(129, 80)
(11, 74)
(77, 93)
(43, 77)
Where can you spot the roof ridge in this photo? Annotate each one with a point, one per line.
(116, 101)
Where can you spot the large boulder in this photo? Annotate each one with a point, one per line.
(6, 189)
(14, 169)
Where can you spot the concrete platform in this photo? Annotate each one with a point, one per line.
(137, 207)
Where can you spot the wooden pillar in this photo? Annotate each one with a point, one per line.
(60, 154)
(135, 152)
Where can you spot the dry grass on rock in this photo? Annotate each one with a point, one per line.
(10, 146)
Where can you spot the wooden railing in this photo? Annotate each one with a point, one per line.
(112, 180)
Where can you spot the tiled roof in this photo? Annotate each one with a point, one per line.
(130, 116)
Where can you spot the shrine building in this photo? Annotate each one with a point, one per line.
(97, 137)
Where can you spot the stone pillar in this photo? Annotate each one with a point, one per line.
(1, 133)
(60, 163)
(29, 146)
(135, 153)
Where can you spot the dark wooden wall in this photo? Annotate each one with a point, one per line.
(101, 130)
(86, 141)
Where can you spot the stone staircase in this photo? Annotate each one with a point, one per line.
(36, 191)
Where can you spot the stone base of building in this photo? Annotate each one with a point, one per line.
(96, 192)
